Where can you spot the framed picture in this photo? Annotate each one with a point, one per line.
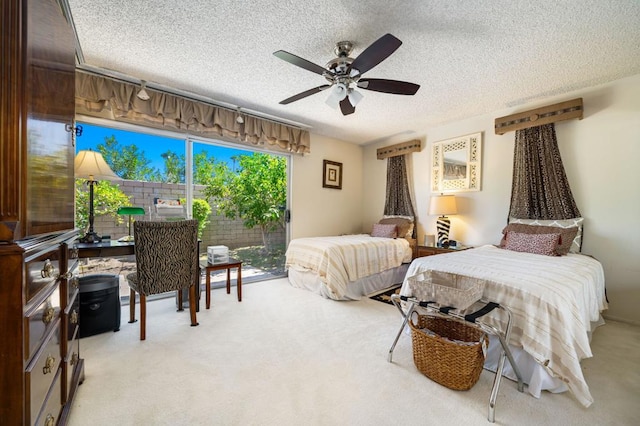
(457, 164)
(331, 174)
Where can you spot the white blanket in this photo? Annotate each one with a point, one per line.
(553, 301)
(347, 258)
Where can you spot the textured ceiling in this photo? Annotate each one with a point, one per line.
(470, 57)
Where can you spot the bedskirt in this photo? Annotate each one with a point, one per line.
(356, 290)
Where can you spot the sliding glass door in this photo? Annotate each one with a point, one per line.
(239, 196)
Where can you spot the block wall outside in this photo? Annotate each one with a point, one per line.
(219, 231)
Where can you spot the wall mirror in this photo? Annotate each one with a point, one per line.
(456, 164)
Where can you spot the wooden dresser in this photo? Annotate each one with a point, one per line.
(40, 364)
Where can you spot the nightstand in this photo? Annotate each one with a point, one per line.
(422, 251)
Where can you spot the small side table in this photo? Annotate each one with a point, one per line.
(422, 251)
(211, 267)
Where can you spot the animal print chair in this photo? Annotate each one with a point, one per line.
(166, 260)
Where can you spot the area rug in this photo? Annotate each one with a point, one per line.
(385, 296)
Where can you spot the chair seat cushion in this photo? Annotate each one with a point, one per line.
(132, 280)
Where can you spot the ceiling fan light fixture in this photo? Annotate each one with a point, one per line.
(142, 93)
(355, 97)
(338, 93)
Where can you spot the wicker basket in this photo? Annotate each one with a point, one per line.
(447, 351)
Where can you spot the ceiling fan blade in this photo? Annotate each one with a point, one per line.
(377, 52)
(300, 62)
(346, 107)
(305, 94)
(388, 86)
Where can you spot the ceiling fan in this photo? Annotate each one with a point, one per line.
(344, 74)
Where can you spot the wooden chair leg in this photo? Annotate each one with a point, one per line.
(143, 316)
(239, 283)
(180, 308)
(132, 306)
(192, 305)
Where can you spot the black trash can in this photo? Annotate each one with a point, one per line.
(99, 304)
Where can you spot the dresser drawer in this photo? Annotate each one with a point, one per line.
(50, 413)
(72, 318)
(71, 283)
(71, 363)
(41, 270)
(39, 321)
(42, 370)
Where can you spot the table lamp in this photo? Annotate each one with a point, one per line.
(90, 165)
(443, 205)
(131, 211)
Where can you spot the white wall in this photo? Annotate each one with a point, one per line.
(601, 153)
(318, 211)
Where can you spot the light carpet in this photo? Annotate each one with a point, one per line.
(286, 356)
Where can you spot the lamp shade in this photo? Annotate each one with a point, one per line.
(338, 93)
(131, 210)
(91, 165)
(443, 205)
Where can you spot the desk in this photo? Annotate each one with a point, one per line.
(211, 267)
(127, 248)
(105, 249)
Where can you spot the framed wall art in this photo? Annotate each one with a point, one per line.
(331, 174)
(456, 164)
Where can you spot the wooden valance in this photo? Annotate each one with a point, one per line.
(399, 149)
(539, 116)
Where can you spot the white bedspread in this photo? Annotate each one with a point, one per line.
(553, 301)
(340, 260)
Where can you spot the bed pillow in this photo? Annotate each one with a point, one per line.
(545, 244)
(384, 230)
(567, 235)
(404, 224)
(575, 222)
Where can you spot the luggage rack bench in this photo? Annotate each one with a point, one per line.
(472, 319)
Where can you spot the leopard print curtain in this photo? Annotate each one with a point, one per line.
(540, 189)
(398, 198)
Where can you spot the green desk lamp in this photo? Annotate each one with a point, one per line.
(131, 211)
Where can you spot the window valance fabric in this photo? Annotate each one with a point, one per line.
(101, 96)
(398, 197)
(540, 188)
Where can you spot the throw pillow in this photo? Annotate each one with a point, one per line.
(545, 244)
(405, 226)
(575, 222)
(567, 235)
(384, 230)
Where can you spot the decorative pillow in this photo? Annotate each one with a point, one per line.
(567, 235)
(384, 230)
(404, 224)
(576, 222)
(533, 243)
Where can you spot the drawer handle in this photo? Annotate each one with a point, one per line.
(74, 317)
(48, 315)
(74, 359)
(74, 253)
(47, 269)
(48, 364)
(50, 420)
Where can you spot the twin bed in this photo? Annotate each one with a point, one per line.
(350, 267)
(347, 267)
(556, 299)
